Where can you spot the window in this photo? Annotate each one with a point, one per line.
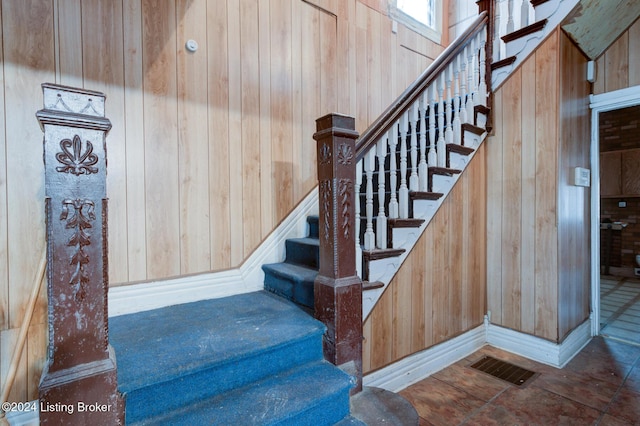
(421, 16)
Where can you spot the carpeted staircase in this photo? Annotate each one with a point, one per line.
(293, 279)
(249, 359)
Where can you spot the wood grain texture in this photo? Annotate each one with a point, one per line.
(610, 174)
(4, 212)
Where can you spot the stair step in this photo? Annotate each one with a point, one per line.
(502, 63)
(371, 285)
(378, 254)
(293, 282)
(405, 223)
(523, 32)
(314, 226)
(170, 357)
(423, 195)
(303, 251)
(315, 394)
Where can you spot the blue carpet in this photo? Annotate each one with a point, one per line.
(179, 360)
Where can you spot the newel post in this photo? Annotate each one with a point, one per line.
(79, 381)
(338, 289)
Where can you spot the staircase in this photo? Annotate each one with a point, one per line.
(250, 359)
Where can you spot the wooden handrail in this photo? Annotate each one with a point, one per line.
(370, 136)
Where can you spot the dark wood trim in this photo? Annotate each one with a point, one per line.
(503, 63)
(522, 32)
(536, 3)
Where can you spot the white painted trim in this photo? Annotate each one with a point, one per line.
(25, 418)
(600, 103)
(414, 368)
(538, 349)
(247, 278)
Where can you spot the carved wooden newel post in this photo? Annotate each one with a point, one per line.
(338, 289)
(79, 381)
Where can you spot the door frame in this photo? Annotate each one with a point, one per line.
(608, 101)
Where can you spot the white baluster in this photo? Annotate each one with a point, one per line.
(497, 42)
(422, 165)
(463, 86)
(369, 166)
(470, 80)
(441, 145)
(432, 158)
(414, 183)
(403, 193)
(457, 124)
(381, 220)
(393, 171)
(482, 89)
(524, 13)
(510, 24)
(448, 133)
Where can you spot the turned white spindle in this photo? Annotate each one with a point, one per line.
(448, 95)
(469, 49)
(524, 13)
(369, 165)
(422, 164)
(497, 43)
(403, 192)
(510, 23)
(432, 158)
(482, 88)
(441, 144)
(463, 87)
(414, 183)
(457, 125)
(393, 171)
(381, 220)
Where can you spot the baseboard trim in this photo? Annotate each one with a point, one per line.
(249, 277)
(414, 368)
(538, 349)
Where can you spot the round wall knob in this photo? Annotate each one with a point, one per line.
(191, 45)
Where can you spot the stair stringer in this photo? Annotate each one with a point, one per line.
(383, 270)
(557, 14)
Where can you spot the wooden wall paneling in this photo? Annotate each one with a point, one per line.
(36, 350)
(4, 188)
(161, 150)
(8, 341)
(574, 202)
(235, 47)
(617, 64)
(362, 75)
(281, 109)
(456, 261)
(478, 232)
(250, 63)
(528, 218)
(345, 57)
(418, 282)
(512, 199)
(402, 316)
(634, 54)
(136, 230)
(374, 65)
(388, 67)
(193, 138)
(68, 25)
(297, 96)
(610, 173)
(103, 67)
(430, 280)
(329, 63)
(441, 273)
(381, 350)
(599, 84)
(219, 133)
(467, 259)
(266, 182)
(366, 345)
(494, 213)
(630, 176)
(28, 62)
(546, 263)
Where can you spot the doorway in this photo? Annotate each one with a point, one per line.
(615, 198)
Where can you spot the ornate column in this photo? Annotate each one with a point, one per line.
(79, 381)
(338, 289)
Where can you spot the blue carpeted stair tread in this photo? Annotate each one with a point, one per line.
(314, 394)
(350, 421)
(297, 273)
(164, 344)
(303, 251)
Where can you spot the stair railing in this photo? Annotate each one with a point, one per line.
(510, 16)
(427, 117)
(411, 138)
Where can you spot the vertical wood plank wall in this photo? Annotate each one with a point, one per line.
(209, 150)
(439, 292)
(537, 222)
(619, 66)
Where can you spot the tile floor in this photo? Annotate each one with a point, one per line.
(599, 386)
(620, 308)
